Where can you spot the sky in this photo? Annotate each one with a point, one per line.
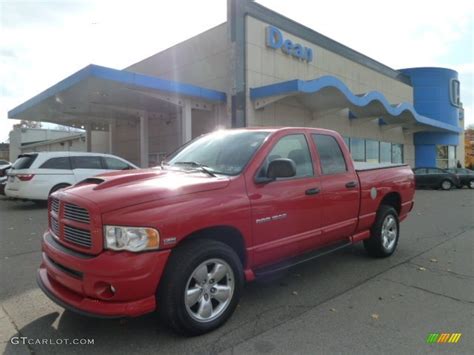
(42, 42)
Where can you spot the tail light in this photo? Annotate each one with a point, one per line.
(25, 177)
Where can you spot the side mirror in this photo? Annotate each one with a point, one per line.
(278, 168)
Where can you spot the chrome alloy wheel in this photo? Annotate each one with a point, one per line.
(389, 232)
(209, 290)
(471, 184)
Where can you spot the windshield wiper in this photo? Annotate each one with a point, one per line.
(196, 164)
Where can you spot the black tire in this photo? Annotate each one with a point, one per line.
(375, 244)
(183, 262)
(58, 187)
(470, 184)
(446, 185)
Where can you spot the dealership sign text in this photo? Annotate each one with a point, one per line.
(275, 40)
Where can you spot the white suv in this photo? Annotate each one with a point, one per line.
(34, 176)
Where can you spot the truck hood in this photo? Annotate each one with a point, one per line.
(120, 189)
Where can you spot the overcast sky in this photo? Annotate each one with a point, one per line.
(42, 42)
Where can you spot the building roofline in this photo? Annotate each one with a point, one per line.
(52, 141)
(120, 77)
(301, 87)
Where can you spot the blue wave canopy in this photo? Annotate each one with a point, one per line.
(328, 92)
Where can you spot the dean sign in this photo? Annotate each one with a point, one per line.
(274, 39)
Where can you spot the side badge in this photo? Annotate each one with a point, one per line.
(373, 193)
(169, 241)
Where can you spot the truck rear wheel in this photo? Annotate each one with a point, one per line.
(201, 287)
(384, 233)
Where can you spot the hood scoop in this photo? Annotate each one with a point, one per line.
(92, 180)
(110, 181)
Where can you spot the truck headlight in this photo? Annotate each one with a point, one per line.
(131, 238)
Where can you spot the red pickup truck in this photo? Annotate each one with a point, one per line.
(225, 208)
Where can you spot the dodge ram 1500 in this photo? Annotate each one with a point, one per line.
(225, 208)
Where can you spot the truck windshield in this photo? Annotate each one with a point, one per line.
(221, 152)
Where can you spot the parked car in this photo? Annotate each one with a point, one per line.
(435, 178)
(227, 207)
(3, 182)
(34, 176)
(4, 166)
(465, 176)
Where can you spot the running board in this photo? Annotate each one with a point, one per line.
(288, 263)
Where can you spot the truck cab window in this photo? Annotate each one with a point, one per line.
(292, 147)
(330, 154)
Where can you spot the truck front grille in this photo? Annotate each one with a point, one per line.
(77, 236)
(76, 213)
(54, 226)
(55, 205)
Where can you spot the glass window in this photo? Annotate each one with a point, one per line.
(434, 171)
(330, 154)
(442, 152)
(115, 164)
(57, 163)
(85, 162)
(420, 171)
(371, 151)
(452, 156)
(24, 161)
(357, 149)
(385, 152)
(446, 156)
(397, 153)
(223, 152)
(293, 147)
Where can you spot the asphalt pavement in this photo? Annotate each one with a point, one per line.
(345, 302)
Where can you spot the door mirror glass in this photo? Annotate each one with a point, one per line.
(281, 168)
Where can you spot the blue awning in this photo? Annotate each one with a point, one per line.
(96, 91)
(328, 92)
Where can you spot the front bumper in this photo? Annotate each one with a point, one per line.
(81, 282)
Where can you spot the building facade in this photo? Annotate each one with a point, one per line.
(71, 143)
(260, 68)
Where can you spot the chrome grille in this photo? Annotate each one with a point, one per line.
(77, 236)
(54, 225)
(76, 213)
(55, 205)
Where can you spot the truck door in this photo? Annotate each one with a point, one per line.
(286, 214)
(340, 189)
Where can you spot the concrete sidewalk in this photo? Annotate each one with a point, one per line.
(392, 313)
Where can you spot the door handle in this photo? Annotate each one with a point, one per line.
(351, 184)
(313, 191)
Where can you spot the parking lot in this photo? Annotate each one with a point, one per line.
(341, 303)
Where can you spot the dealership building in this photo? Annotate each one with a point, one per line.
(260, 68)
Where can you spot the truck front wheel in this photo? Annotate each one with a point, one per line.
(384, 233)
(201, 287)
